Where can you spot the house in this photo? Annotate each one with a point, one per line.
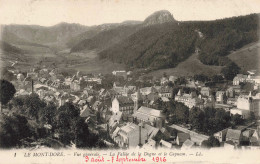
(165, 99)
(165, 91)
(234, 136)
(49, 99)
(172, 78)
(164, 80)
(105, 114)
(245, 102)
(122, 90)
(220, 97)
(147, 90)
(114, 121)
(165, 144)
(205, 91)
(75, 85)
(131, 135)
(190, 100)
(104, 94)
(42, 80)
(242, 112)
(97, 106)
(20, 77)
(194, 137)
(92, 80)
(151, 116)
(239, 78)
(181, 138)
(21, 92)
(221, 135)
(246, 136)
(123, 104)
(229, 144)
(237, 89)
(251, 78)
(150, 144)
(188, 144)
(86, 112)
(226, 107)
(152, 131)
(232, 101)
(191, 84)
(255, 138)
(230, 92)
(122, 73)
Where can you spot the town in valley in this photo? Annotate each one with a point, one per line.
(157, 83)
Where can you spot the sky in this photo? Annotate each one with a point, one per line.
(95, 12)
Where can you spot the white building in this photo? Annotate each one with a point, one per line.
(123, 104)
(190, 100)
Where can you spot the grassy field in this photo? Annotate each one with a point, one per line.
(248, 57)
(98, 66)
(189, 67)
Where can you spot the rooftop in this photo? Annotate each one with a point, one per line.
(149, 111)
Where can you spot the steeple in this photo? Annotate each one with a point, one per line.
(250, 94)
(179, 92)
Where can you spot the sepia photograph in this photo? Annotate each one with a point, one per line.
(129, 81)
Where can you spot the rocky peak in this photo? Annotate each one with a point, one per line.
(159, 17)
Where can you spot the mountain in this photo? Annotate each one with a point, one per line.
(165, 45)
(91, 32)
(11, 38)
(43, 36)
(106, 38)
(159, 17)
(10, 52)
(158, 46)
(158, 43)
(100, 40)
(7, 48)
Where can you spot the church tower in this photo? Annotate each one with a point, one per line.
(137, 100)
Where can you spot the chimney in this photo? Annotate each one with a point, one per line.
(32, 87)
(107, 130)
(140, 139)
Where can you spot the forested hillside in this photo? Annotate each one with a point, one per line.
(223, 36)
(166, 45)
(158, 46)
(105, 38)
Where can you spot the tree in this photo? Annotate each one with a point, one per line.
(196, 118)
(170, 84)
(7, 75)
(7, 91)
(217, 78)
(181, 113)
(252, 116)
(71, 110)
(81, 133)
(230, 71)
(180, 81)
(64, 121)
(18, 101)
(201, 77)
(210, 142)
(12, 129)
(237, 119)
(33, 105)
(177, 112)
(47, 114)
